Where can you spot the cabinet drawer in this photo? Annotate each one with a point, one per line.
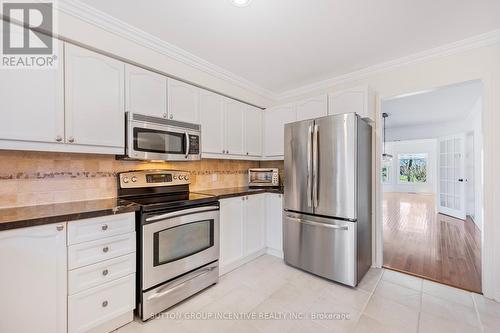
(99, 250)
(93, 275)
(100, 227)
(93, 307)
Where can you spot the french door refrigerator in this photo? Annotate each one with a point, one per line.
(327, 206)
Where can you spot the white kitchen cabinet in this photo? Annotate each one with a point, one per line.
(254, 223)
(313, 107)
(212, 118)
(274, 224)
(33, 279)
(360, 100)
(231, 232)
(183, 102)
(32, 103)
(234, 124)
(94, 95)
(253, 131)
(274, 129)
(145, 92)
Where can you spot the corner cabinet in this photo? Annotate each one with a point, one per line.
(360, 100)
(274, 129)
(94, 94)
(183, 102)
(33, 279)
(145, 92)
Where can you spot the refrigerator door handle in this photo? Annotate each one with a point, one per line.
(309, 165)
(315, 166)
(318, 224)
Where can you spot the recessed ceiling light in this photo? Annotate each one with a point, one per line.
(241, 3)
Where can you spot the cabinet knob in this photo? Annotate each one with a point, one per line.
(60, 227)
(105, 249)
(59, 138)
(247, 153)
(104, 304)
(104, 227)
(171, 116)
(105, 272)
(71, 139)
(227, 151)
(165, 115)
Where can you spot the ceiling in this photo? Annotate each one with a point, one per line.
(446, 104)
(281, 45)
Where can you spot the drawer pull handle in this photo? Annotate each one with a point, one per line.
(105, 272)
(104, 304)
(104, 227)
(105, 249)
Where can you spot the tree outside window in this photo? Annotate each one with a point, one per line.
(386, 174)
(412, 168)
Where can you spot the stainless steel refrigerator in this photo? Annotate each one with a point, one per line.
(328, 197)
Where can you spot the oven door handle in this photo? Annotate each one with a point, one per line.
(181, 213)
(187, 144)
(167, 290)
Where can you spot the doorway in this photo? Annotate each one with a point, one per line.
(431, 179)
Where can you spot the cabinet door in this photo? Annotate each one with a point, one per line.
(231, 231)
(95, 101)
(212, 123)
(182, 101)
(145, 92)
(33, 279)
(254, 223)
(311, 108)
(32, 103)
(274, 129)
(253, 131)
(360, 100)
(274, 222)
(234, 127)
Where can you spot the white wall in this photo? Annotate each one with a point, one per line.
(428, 147)
(480, 62)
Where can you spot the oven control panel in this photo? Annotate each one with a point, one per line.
(152, 178)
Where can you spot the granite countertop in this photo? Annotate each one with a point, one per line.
(21, 217)
(224, 193)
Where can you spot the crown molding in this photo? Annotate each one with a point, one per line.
(482, 40)
(122, 29)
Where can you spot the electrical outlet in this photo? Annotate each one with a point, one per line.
(214, 177)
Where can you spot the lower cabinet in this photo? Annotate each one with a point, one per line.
(33, 279)
(249, 226)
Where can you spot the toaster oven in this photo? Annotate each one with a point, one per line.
(263, 177)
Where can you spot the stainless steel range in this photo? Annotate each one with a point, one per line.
(178, 238)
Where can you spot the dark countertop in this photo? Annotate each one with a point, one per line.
(224, 193)
(21, 217)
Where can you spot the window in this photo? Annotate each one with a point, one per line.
(412, 168)
(386, 174)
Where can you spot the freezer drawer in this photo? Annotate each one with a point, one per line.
(322, 246)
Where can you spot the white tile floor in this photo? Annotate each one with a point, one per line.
(384, 301)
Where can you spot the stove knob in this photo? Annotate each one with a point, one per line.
(125, 180)
(134, 179)
(181, 177)
(175, 177)
(186, 177)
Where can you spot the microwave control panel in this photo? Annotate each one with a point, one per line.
(194, 144)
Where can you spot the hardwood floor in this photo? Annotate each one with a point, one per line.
(432, 246)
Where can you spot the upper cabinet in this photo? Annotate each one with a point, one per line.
(32, 103)
(313, 107)
(94, 95)
(253, 131)
(145, 92)
(234, 125)
(212, 120)
(183, 102)
(359, 99)
(274, 129)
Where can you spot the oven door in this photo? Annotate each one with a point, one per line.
(177, 242)
(151, 141)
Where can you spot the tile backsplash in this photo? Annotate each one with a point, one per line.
(34, 178)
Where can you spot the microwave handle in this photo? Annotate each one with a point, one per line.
(187, 144)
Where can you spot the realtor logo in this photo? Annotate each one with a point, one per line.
(26, 35)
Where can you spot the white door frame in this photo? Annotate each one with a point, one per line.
(487, 257)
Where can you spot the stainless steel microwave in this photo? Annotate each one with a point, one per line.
(158, 139)
(263, 177)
